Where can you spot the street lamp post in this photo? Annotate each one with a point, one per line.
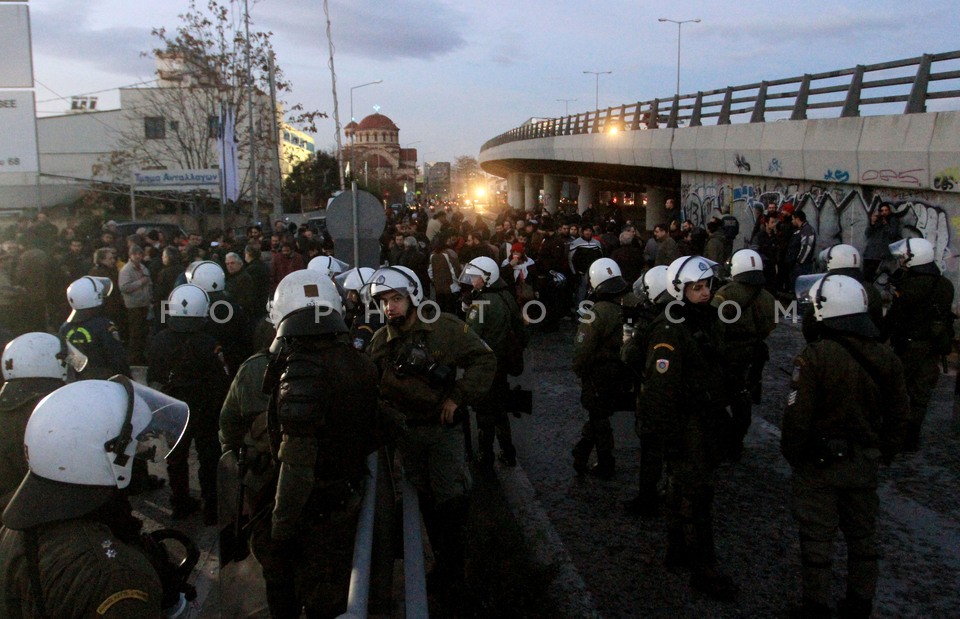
(598, 74)
(566, 105)
(679, 26)
(352, 119)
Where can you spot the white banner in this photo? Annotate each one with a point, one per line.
(16, 67)
(176, 180)
(18, 133)
(227, 143)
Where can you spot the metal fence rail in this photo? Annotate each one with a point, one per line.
(790, 98)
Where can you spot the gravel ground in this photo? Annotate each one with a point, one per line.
(619, 557)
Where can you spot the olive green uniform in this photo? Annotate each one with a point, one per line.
(326, 420)
(684, 396)
(603, 381)
(843, 416)
(85, 571)
(243, 422)
(433, 454)
(749, 313)
(921, 300)
(490, 316)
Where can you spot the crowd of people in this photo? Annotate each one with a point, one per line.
(300, 366)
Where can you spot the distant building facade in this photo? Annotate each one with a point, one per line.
(376, 159)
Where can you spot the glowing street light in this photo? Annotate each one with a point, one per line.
(679, 26)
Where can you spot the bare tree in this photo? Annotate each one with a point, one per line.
(201, 70)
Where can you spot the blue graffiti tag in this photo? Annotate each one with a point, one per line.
(837, 176)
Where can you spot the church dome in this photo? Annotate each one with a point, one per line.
(377, 122)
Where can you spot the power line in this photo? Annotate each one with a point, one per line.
(60, 97)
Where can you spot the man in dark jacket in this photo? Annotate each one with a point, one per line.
(89, 329)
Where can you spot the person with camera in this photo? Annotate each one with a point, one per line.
(846, 413)
(493, 314)
(418, 353)
(596, 362)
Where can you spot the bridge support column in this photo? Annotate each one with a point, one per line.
(588, 194)
(656, 213)
(531, 187)
(551, 193)
(515, 190)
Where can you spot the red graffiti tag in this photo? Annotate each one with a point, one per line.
(892, 176)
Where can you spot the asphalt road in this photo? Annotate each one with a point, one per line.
(615, 559)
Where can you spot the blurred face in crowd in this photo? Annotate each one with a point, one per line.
(76, 247)
(110, 260)
(564, 230)
(659, 233)
(286, 250)
(136, 257)
(106, 238)
(234, 264)
(574, 230)
(275, 241)
(587, 233)
(697, 293)
(195, 240)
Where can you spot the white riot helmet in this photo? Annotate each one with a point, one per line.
(40, 355)
(840, 301)
(187, 308)
(306, 302)
(687, 270)
(328, 265)
(483, 267)
(208, 275)
(652, 284)
(605, 277)
(746, 266)
(913, 252)
(88, 292)
(80, 444)
(841, 256)
(395, 278)
(354, 279)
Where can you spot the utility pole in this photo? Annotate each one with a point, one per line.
(253, 145)
(277, 142)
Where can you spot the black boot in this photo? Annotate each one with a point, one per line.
(643, 505)
(714, 584)
(854, 607)
(508, 455)
(581, 455)
(606, 466)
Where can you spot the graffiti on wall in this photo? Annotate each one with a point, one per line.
(839, 213)
(909, 177)
(947, 180)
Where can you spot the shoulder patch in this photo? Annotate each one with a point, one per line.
(663, 365)
(580, 337)
(663, 345)
(126, 594)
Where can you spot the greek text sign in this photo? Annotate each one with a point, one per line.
(18, 137)
(16, 69)
(176, 180)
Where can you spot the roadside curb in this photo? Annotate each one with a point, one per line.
(566, 587)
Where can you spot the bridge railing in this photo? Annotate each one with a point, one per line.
(849, 90)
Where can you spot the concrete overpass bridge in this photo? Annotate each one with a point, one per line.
(836, 145)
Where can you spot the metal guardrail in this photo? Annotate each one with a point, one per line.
(415, 583)
(359, 593)
(794, 95)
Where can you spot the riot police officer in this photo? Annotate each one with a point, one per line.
(34, 365)
(187, 363)
(324, 421)
(418, 355)
(596, 362)
(493, 314)
(228, 323)
(920, 326)
(684, 397)
(362, 318)
(846, 413)
(844, 259)
(71, 546)
(91, 332)
(650, 289)
(749, 314)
